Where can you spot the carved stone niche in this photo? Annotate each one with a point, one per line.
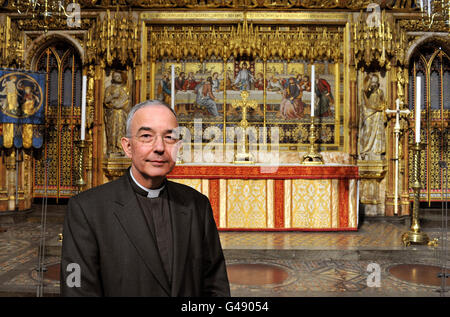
(372, 187)
(114, 167)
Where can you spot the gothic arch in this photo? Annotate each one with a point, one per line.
(429, 59)
(63, 66)
(43, 41)
(438, 38)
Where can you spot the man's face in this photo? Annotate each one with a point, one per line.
(152, 146)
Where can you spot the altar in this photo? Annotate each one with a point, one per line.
(290, 197)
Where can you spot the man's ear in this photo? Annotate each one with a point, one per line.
(126, 145)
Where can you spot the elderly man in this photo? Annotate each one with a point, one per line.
(142, 235)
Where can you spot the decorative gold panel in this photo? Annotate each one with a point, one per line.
(311, 203)
(246, 203)
(194, 183)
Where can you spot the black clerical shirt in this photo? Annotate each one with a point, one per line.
(157, 214)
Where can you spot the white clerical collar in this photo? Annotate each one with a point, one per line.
(151, 193)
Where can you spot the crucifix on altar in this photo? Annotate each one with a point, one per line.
(397, 129)
(244, 156)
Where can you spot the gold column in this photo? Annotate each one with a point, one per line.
(11, 179)
(264, 91)
(225, 77)
(346, 75)
(143, 92)
(152, 79)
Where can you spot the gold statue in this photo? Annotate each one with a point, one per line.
(117, 104)
(400, 84)
(372, 140)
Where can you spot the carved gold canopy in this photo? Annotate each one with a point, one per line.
(238, 4)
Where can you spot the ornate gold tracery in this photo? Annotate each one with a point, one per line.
(113, 39)
(320, 43)
(245, 4)
(11, 45)
(63, 66)
(433, 65)
(380, 44)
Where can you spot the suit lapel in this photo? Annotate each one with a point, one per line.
(181, 227)
(131, 218)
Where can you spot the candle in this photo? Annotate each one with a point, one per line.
(397, 113)
(172, 89)
(83, 109)
(429, 8)
(313, 86)
(418, 99)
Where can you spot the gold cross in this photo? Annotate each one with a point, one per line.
(244, 104)
(244, 156)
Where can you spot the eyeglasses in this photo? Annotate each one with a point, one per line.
(150, 138)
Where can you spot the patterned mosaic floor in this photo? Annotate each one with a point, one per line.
(333, 278)
(19, 258)
(301, 276)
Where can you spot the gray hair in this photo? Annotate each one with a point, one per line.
(147, 103)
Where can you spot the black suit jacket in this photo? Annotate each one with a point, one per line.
(106, 234)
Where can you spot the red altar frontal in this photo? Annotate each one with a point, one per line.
(296, 198)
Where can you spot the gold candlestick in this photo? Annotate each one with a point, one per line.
(81, 144)
(415, 236)
(313, 157)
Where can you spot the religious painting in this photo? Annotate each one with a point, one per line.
(21, 97)
(209, 90)
(21, 106)
(199, 91)
(288, 99)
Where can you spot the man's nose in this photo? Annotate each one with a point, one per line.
(159, 144)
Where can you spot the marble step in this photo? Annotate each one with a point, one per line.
(409, 254)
